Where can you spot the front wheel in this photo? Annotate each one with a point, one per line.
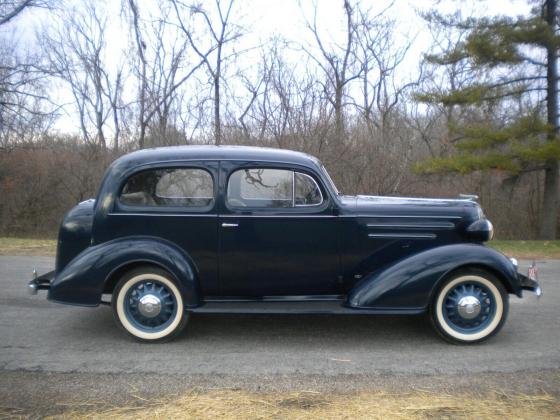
(148, 305)
(469, 307)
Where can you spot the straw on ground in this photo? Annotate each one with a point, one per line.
(236, 404)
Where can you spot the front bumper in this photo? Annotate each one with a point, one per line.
(42, 282)
(530, 284)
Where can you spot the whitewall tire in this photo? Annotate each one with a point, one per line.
(469, 307)
(148, 305)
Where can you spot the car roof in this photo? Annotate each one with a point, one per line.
(210, 152)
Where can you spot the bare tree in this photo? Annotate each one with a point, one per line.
(285, 106)
(379, 97)
(25, 110)
(10, 9)
(75, 51)
(140, 49)
(379, 60)
(162, 68)
(255, 107)
(220, 31)
(337, 63)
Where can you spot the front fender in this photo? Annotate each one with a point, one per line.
(82, 281)
(410, 282)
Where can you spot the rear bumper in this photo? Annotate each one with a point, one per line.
(530, 284)
(42, 282)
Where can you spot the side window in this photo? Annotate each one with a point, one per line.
(272, 188)
(265, 188)
(169, 188)
(307, 191)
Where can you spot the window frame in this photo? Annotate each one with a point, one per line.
(293, 208)
(122, 207)
(294, 190)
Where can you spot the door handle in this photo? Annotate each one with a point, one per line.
(230, 224)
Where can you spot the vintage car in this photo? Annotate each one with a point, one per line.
(231, 229)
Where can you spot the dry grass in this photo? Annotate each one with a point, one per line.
(19, 246)
(528, 249)
(232, 404)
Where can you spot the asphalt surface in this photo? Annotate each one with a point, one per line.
(46, 346)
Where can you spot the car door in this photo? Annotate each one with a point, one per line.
(175, 202)
(277, 231)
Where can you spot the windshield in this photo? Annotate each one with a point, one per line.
(329, 179)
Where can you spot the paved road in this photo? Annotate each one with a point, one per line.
(52, 356)
(37, 335)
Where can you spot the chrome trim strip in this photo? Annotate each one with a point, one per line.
(234, 216)
(278, 216)
(411, 199)
(186, 214)
(293, 189)
(399, 216)
(230, 224)
(403, 235)
(442, 225)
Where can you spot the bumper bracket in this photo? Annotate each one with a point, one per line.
(42, 282)
(530, 285)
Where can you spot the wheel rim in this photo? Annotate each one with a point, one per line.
(150, 306)
(469, 307)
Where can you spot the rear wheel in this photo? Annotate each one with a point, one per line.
(148, 305)
(470, 307)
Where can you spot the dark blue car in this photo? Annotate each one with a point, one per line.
(190, 229)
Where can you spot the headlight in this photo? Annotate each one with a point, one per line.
(481, 230)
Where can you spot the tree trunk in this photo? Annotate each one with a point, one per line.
(339, 117)
(550, 202)
(217, 75)
(217, 122)
(143, 85)
(551, 182)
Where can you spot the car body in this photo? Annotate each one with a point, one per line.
(188, 229)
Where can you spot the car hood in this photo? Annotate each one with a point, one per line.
(378, 205)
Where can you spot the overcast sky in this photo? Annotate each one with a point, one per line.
(263, 19)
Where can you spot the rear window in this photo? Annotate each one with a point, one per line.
(184, 187)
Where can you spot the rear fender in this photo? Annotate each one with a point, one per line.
(83, 280)
(411, 282)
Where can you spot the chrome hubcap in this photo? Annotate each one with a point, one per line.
(468, 307)
(149, 306)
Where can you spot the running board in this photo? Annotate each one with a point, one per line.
(301, 308)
